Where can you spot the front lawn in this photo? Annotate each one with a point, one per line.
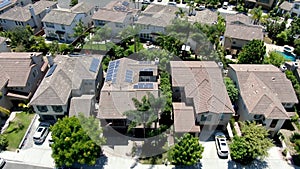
(17, 128)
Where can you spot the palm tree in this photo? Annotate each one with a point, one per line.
(146, 112)
(131, 33)
(256, 15)
(180, 13)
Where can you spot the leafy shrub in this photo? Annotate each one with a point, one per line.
(295, 137)
(3, 142)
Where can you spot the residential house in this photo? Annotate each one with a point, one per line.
(5, 5)
(59, 23)
(31, 15)
(21, 74)
(285, 7)
(200, 98)
(266, 95)
(4, 47)
(116, 15)
(265, 4)
(296, 8)
(154, 19)
(239, 31)
(294, 67)
(126, 79)
(69, 83)
(205, 16)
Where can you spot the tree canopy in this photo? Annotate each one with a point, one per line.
(254, 143)
(252, 53)
(76, 140)
(232, 91)
(188, 151)
(275, 59)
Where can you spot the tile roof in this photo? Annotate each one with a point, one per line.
(184, 118)
(59, 17)
(205, 17)
(81, 104)
(68, 75)
(239, 26)
(202, 82)
(264, 88)
(116, 98)
(157, 15)
(286, 6)
(245, 32)
(16, 67)
(2, 39)
(66, 16)
(23, 14)
(109, 15)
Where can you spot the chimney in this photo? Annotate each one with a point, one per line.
(156, 60)
(50, 59)
(32, 13)
(48, 9)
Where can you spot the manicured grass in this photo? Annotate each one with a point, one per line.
(97, 46)
(17, 128)
(158, 159)
(139, 46)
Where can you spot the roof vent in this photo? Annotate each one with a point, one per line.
(220, 64)
(283, 68)
(295, 65)
(273, 78)
(156, 60)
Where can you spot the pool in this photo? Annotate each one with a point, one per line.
(288, 56)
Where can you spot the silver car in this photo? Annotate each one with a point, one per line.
(221, 145)
(40, 134)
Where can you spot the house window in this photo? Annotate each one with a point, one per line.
(222, 117)
(57, 109)
(233, 42)
(42, 108)
(63, 27)
(273, 123)
(34, 73)
(258, 116)
(296, 6)
(49, 25)
(206, 117)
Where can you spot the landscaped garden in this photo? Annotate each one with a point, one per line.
(17, 129)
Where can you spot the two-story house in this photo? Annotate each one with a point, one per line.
(59, 23)
(296, 8)
(21, 73)
(117, 15)
(200, 98)
(239, 31)
(31, 15)
(154, 19)
(125, 79)
(68, 79)
(266, 95)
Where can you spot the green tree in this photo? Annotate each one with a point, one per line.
(76, 141)
(188, 151)
(275, 59)
(256, 15)
(21, 38)
(80, 30)
(282, 38)
(254, 143)
(3, 142)
(146, 112)
(297, 47)
(180, 13)
(252, 53)
(38, 44)
(232, 91)
(73, 2)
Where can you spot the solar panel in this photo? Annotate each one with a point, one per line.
(147, 69)
(129, 76)
(51, 70)
(94, 65)
(144, 86)
(112, 71)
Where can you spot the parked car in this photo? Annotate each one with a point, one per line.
(225, 5)
(40, 134)
(2, 162)
(146, 2)
(172, 3)
(221, 144)
(200, 7)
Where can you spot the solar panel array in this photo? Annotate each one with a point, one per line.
(51, 70)
(143, 86)
(129, 76)
(94, 65)
(112, 71)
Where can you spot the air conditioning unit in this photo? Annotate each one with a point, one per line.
(295, 65)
